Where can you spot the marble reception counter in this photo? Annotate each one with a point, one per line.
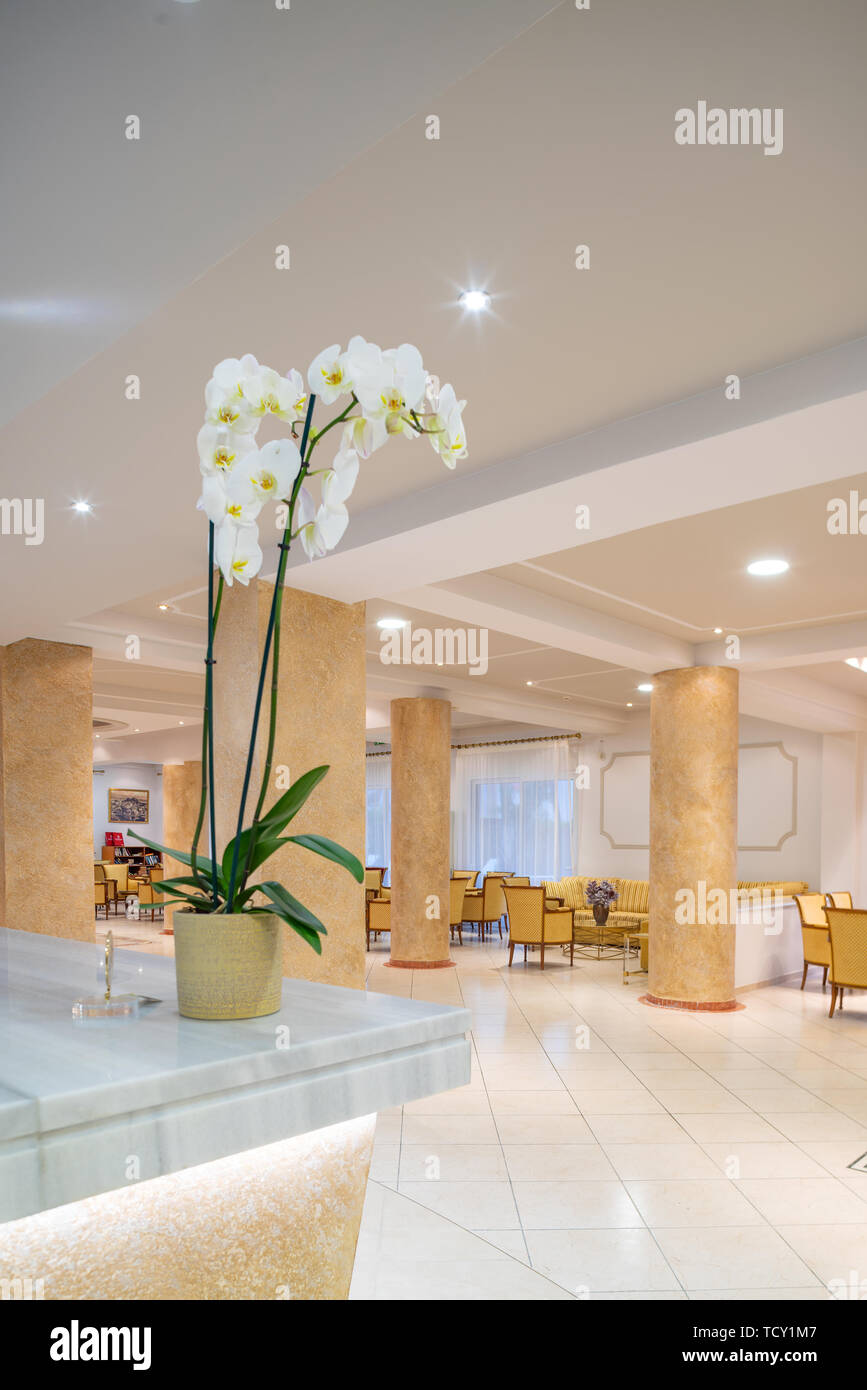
(106, 1106)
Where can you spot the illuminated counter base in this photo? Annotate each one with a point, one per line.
(167, 1158)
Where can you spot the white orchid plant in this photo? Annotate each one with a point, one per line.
(390, 393)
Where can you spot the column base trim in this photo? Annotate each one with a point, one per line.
(419, 964)
(692, 1005)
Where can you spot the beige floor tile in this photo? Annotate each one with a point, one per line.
(637, 1129)
(557, 1162)
(777, 1159)
(835, 1252)
(836, 1155)
(512, 1243)
(452, 1163)
(785, 1101)
(579, 1205)
(638, 1161)
(596, 1262)
(449, 1129)
(475, 1205)
(544, 1129)
(743, 1127)
(692, 1202)
(816, 1294)
(799, 1126)
(616, 1102)
(733, 1257)
(701, 1102)
(465, 1101)
(532, 1103)
(804, 1201)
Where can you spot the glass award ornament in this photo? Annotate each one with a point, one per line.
(106, 1005)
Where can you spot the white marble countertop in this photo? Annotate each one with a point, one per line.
(79, 1098)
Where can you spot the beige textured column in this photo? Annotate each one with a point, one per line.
(182, 789)
(46, 788)
(321, 720)
(420, 792)
(693, 835)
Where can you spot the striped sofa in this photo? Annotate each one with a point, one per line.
(631, 910)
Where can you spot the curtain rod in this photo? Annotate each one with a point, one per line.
(499, 743)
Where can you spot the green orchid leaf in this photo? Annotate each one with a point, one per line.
(181, 855)
(305, 933)
(329, 850)
(290, 907)
(291, 801)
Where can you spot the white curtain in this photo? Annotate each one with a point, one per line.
(515, 808)
(378, 836)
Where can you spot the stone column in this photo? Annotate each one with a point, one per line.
(46, 788)
(693, 837)
(321, 720)
(420, 794)
(182, 787)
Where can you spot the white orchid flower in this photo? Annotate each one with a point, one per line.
(230, 374)
(272, 470)
(395, 388)
(221, 448)
(338, 482)
(237, 551)
(327, 374)
(319, 529)
(448, 435)
(363, 436)
(219, 501)
(227, 409)
(266, 392)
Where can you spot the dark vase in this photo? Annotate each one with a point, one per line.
(600, 913)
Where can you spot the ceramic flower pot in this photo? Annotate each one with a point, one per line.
(600, 913)
(228, 966)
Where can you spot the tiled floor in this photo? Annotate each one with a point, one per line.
(606, 1150)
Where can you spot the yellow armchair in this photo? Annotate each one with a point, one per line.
(533, 923)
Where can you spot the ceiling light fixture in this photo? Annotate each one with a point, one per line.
(391, 624)
(180, 721)
(718, 631)
(529, 682)
(164, 607)
(764, 567)
(629, 704)
(859, 662)
(475, 300)
(645, 688)
(82, 507)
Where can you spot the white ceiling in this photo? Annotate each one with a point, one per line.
(603, 386)
(244, 110)
(704, 260)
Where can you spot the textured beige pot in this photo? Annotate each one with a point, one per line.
(228, 966)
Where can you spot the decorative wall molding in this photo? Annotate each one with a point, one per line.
(775, 789)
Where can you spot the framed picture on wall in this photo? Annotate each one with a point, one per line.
(127, 805)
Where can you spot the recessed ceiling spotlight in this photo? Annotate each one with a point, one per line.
(768, 567)
(475, 300)
(180, 721)
(391, 624)
(529, 682)
(645, 687)
(859, 662)
(629, 704)
(164, 607)
(136, 731)
(718, 631)
(82, 507)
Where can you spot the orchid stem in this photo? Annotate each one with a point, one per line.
(275, 606)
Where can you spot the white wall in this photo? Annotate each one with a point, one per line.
(143, 775)
(766, 803)
(844, 815)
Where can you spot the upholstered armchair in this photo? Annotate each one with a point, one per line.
(814, 933)
(378, 918)
(457, 890)
(486, 909)
(532, 923)
(848, 931)
(838, 899)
